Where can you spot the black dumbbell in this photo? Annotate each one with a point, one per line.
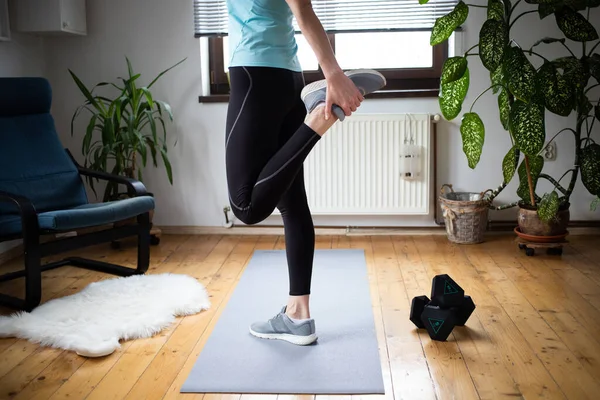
(416, 309)
(438, 321)
(445, 292)
(464, 311)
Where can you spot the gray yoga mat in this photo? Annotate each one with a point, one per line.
(344, 360)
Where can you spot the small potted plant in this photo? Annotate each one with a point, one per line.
(124, 131)
(562, 86)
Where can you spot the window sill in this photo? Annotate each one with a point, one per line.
(388, 94)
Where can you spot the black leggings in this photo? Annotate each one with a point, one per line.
(266, 145)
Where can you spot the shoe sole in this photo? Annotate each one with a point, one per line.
(294, 339)
(318, 85)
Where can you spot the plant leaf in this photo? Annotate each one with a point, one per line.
(509, 164)
(556, 91)
(129, 67)
(594, 204)
(152, 147)
(452, 95)
(493, 38)
(527, 125)
(590, 168)
(495, 10)
(548, 207)
(574, 25)
(444, 26)
(166, 107)
(472, 131)
(520, 74)
(594, 66)
(584, 106)
(453, 69)
(87, 94)
(504, 108)
(87, 139)
(148, 95)
(546, 9)
(141, 148)
(536, 164)
(423, 1)
(152, 122)
(163, 153)
(164, 72)
(574, 71)
(497, 78)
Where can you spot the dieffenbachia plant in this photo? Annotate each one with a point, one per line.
(524, 93)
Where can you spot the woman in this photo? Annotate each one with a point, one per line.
(269, 135)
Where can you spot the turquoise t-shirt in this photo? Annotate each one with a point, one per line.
(261, 34)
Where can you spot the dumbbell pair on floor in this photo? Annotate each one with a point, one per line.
(448, 307)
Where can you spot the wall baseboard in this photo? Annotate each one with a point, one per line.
(349, 231)
(498, 229)
(277, 230)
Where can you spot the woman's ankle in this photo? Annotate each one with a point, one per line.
(317, 122)
(298, 307)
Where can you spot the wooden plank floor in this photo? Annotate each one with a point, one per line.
(533, 335)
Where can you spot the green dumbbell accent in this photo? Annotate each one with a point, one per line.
(445, 292)
(438, 321)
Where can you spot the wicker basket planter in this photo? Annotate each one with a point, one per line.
(465, 215)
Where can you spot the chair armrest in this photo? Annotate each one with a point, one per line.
(134, 187)
(27, 211)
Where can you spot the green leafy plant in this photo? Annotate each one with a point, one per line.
(124, 129)
(562, 86)
(595, 204)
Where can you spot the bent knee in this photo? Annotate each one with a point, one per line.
(249, 218)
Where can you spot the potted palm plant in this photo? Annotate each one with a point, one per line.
(562, 86)
(124, 130)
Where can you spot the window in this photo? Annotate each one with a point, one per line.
(389, 36)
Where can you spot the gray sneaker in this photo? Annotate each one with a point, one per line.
(283, 328)
(366, 80)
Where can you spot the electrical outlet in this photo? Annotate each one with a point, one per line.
(549, 152)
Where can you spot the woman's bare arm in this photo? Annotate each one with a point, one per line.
(340, 89)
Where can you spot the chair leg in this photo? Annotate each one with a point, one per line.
(33, 272)
(143, 261)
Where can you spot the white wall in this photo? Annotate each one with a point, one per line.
(155, 34)
(22, 56)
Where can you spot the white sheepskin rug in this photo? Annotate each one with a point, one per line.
(92, 322)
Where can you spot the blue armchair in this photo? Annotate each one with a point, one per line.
(42, 193)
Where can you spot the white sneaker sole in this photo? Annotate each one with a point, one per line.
(318, 85)
(295, 339)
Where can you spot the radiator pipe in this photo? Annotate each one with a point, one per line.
(435, 119)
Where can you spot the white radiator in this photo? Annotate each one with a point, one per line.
(357, 167)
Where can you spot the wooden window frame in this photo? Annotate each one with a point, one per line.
(401, 82)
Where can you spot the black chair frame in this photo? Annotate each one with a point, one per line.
(34, 251)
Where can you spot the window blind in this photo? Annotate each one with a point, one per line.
(211, 19)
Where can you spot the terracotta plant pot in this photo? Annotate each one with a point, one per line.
(530, 223)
